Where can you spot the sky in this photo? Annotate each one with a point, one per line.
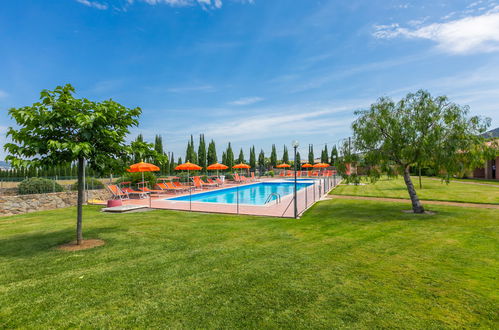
(253, 72)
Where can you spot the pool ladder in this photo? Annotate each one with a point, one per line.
(276, 195)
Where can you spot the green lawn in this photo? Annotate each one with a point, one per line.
(432, 190)
(357, 264)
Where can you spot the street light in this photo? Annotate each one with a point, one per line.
(295, 145)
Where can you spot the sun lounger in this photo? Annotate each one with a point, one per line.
(210, 181)
(116, 192)
(139, 193)
(153, 191)
(168, 186)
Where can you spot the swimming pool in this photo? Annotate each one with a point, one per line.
(253, 194)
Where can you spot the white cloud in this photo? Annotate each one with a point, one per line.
(3, 94)
(474, 34)
(246, 101)
(93, 4)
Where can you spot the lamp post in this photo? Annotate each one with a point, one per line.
(295, 145)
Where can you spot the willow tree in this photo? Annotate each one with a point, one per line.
(419, 129)
(61, 129)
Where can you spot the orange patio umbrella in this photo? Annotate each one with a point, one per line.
(240, 166)
(284, 165)
(188, 167)
(307, 165)
(321, 165)
(217, 167)
(142, 167)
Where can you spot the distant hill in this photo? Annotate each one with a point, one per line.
(492, 133)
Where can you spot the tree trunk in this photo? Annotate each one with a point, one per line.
(417, 207)
(79, 206)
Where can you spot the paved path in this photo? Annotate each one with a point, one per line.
(401, 200)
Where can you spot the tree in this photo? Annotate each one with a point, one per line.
(229, 157)
(61, 129)
(285, 155)
(163, 159)
(252, 159)
(240, 159)
(261, 161)
(325, 155)
(273, 157)
(416, 130)
(334, 155)
(298, 160)
(212, 153)
(311, 158)
(202, 152)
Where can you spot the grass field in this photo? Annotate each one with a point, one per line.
(432, 190)
(344, 264)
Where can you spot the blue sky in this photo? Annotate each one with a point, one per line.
(249, 71)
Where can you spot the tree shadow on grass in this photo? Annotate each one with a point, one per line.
(29, 245)
(360, 211)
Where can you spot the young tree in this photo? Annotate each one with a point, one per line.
(285, 155)
(311, 158)
(273, 156)
(61, 129)
(252, 159)
(202, 152)
(240, 159)
(418, 129)
(212, 153)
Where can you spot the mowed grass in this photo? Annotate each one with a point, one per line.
(357, 264)
(433, 189)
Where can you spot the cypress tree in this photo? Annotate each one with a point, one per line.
(334, 155)
(298, 160)
(273, 156)
(252, 159)
(212, 153)
(311, 154)
(285, 155)
(326, 154)
(261, 161)
(224, 158)
(240, 159)
(229, 155)
(202, 152)
(193, 156)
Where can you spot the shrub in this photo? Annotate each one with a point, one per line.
(38, 186)
(270, 173)
(91, 183)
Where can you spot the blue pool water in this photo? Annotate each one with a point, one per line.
(254, 194)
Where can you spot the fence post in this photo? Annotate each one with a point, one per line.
(306, 197)
(190, 198)
(237, 198)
